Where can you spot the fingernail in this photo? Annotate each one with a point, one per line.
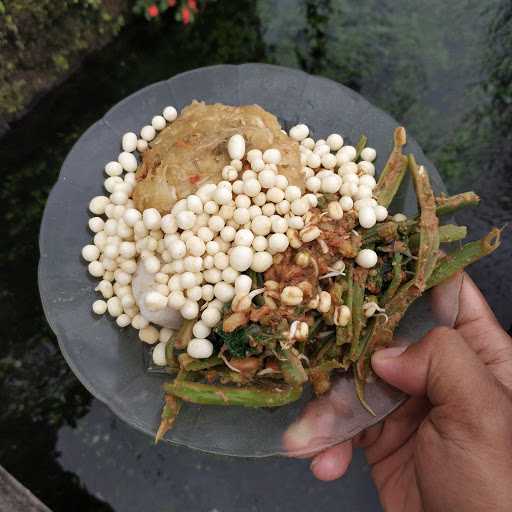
(388, 353)
(314, 462)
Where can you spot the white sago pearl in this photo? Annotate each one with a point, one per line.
(335, 210)
(187, 280)
(257, 164)
(348, 168)
(193, 263)
(206, 191)
(114, 306)
(242, 201)
(113, 169)
(111, 227)
(128, 301)
(224, 291)
(100, 240)
(367, 201)
(313, 184)
(346, 203)
(322, 150)
(170, 113)
(363, 192)
(127, 161)
(351, 178)
(331, 184)
(216, 304)
(201, 330)
(212, 247)
(178, 249)
(95, 268)
(228, 233)
(148, 133)
(222, 195)
(320, 142)
(185, 219)
(161, 277)
(272, 156)
(112, 181)
(275, 195)
(236, 164)
(236, 147)
(179, 206)
(311, 199)
(129, 142)
(259, 243)
(226, 211)
(111, 251)
(211, 316)
(165, 335)
(252, 187)
(221, 260)
(158, 122)
(243, 284)
(99, 307)
(254, 211)
(300, 206)
(367, 168)
(229, 173)
(195, 246)
(151, 218)
(199, 348)
(283, 207)
(229, 275)
(194, 204)
(244, 237)
(279, 224)
(119, 197)
(281, 182)
(105, 288)
(259, 199)
(261, 262)
(367, 258)
(139, 322)
(130, 179)
(142, 145)
(334, 141)
(212, 275)
(367, 217)
(129, 266)
(278, 242)
(107, 263)
(296, 222)
(299, 132)
(97, 204)
(176, 299)
(348, 189)
(268, 209)
(155, 301)
(205, 234)
(368, 154)
(189, 310)
(328, 161)
(308, 143)
(346, 154)
(216, 223)
(324, 172)
(123, 320)
(124, 231)
(241, 257)
(131, 216)
(207, 292)
(211, 207)
(90, 252)
(292, 192)
(254, 153)
(152, 264)
(399, 217)
(195, 293)
(158, 354)
(381, 213)
(367, 181)
(261, 225)
(314, 161)
(149, 335)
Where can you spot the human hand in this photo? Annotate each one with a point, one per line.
(449, 447)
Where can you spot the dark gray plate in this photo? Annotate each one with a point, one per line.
(108, 360)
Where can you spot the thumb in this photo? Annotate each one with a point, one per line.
(441, 366)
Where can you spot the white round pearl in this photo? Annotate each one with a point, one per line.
(97, 204)
(90, 253)
(194, 204)
(244, 237)
(95, 268)
(328, 161)
(158, 354)
(149, 334)
(313, 184)
(331, 183)
(148, 133)
(321, 150)
(114, 306)
(224, 291)
(278, 242)
(195, 293)
(241, 257)
(300, 206)
(267, 178)
(292, 192)
(243, 284)
(228, 233)
(96, 224)
(381, 213)
(367, 168)
(252, 187)
(260, 199)
(272, 156)
(123, 320)
(201, 330)
(254, 153)
(296, 222)
(158, 122)
(254, 211)
(367, 258)
(151, 218)
(152, 264)
(207, 292)
(299, 132)
(348, 189)
(112, 181)
(262, 261)
(334, 141)
(346, 203)
(346, 154)
(368, 181)
(185, 219)
(279, 224)
(283, 207)
(142, 145)
(129, 142)
(212, 247)
(200, 348)
(367, 217)
(216, 223)
(314, 161)
(257, 164)
(275, 195)
(268, 209)
(155, 301)
(170, 113)
(236, 147)
(308, 143)
(348, 168)
(261, 225)
(259, 243)
(211, 316)
(189, 310)
(363, 192)
(131, 216)
(229, 274)
(178, 249)
(127, 161)
(222, 196)
(99, 307)
(212, 275)
(176, 299)
(114, 170)
(221, 260)
(195, 246)
(368, 154)
(351, 178)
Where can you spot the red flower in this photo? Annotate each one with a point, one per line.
(171, 3)
(192, 4)
(185, 15)
(152, 11)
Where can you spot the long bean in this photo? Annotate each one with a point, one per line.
(396, 280)
(460, 258)
(183, 335)
(361, 144)
(447, 233)
(452, 204)
(358, 318)
(210, 394)
(291, 367)
(393, 172)
(170, 410)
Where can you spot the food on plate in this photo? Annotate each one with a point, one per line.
(256, 261)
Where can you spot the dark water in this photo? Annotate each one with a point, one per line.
(444, 69)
